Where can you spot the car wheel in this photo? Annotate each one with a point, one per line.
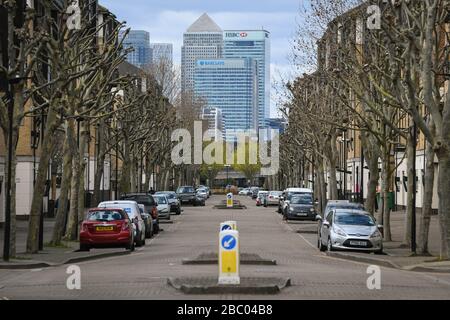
(140, 242)
(279, 209)
(130, 247)
(178, 211)
(156, 229)
(330, 245)
(379, 251)
(84, 247)
(320, 245)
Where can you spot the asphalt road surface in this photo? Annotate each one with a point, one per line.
(143, 274)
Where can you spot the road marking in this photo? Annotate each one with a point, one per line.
(35, 270)
(5, 298)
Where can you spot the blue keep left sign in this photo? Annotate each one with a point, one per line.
(226, 227)
(228, 242)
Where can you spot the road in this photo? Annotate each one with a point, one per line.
(143, 274)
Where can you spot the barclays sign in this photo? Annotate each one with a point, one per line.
(211, 62)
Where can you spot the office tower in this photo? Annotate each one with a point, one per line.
(140, 41)
(202, 40)
(215, 121)
(253, 44)
(230, 85)
(162, 52)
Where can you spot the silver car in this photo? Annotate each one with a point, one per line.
(273, 199)
(350, 230)
(163, 206)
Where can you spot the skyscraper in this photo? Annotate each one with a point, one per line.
(215, 122)
(162, 52)
(202, 40)
(231, 86)
(140, 41)
(253, 44)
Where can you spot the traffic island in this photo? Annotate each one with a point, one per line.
(236, 205)
(245, 258)
(206, 285)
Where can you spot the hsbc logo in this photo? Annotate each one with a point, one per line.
(236, 35)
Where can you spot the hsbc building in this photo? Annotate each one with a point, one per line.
(254, 44)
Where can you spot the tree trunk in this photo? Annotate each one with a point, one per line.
(386, 184)
(99, 165)
(61, 214)
(410, 195)
(372, 184)
(444, 203)
(84, 141)
(39, 189)
(425, 217)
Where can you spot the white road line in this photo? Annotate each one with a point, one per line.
(5, 298)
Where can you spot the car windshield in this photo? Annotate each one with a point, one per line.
(354, 219)
(185, 190)
(302, 199)
(161, 200)
(345, 206)
(105, 216)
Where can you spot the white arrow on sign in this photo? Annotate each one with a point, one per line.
(228, 243)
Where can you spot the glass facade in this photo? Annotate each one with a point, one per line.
(253, 44)
(162, 52)
(229, 85)
(140, 41)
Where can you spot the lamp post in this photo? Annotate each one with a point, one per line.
(227, 166)
(7, 240)
(414, 191)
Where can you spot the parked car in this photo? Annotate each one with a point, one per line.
(175, 205)
(300, 207)
(273, 198)
(244, 192)
(202, 193)
(106, 227)
(186, 194)
(338, 204)
(163, 206)
(350, 230)
(148, 221)
(206, 188)
(132, 209)
(287, 194)
(199, 200)
(260, 199)
(254, 192)
(149, 209)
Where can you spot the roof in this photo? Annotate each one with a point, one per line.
(355, 211)
(126, 68)
(204, 24)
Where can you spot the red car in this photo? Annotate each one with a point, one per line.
(106, 228)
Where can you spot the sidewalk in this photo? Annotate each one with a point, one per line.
(50, 256)
(399, 257)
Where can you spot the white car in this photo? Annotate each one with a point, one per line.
(133, 211)
(244, 192)
(273, 198)
(203, 193)
(163, 206)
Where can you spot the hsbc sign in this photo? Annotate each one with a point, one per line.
(246, 35)
(236, 34)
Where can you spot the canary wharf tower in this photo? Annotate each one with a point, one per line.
(202, 40)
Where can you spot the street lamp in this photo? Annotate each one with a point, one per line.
(227, 166)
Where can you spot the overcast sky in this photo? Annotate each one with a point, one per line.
(166, 20)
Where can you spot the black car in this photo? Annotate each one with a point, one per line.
(300, 207)
(174, 202)
(150, 210)
(187, 194)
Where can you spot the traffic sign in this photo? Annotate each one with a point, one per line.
(229, 257)
(228, 225)
(230, 200)
(229, 242)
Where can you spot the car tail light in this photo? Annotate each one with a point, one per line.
(84, 227)
(125, 226)
(154, 213)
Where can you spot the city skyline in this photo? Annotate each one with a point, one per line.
(168, 20)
